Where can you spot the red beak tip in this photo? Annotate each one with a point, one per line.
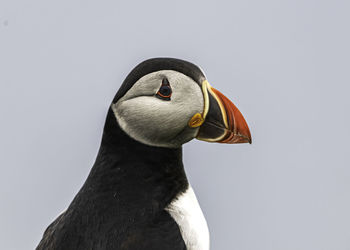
(248, 138)
(245, 139)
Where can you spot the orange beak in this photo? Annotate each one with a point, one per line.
(222, 121)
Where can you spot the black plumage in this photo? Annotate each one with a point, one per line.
(121, 204)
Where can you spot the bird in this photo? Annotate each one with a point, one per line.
(137, 195)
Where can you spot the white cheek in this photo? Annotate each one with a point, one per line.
(150, 116)
(157, 122)
(153, 121)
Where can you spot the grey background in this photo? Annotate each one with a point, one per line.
(285, 64)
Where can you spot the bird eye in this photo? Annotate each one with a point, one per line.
(164, 91)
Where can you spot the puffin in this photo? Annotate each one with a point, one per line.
(137, 195)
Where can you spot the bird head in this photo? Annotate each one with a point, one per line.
(166, 102)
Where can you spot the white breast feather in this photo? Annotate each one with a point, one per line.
(187, 213)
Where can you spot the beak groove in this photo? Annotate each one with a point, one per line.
(237, 130)
(223, 123)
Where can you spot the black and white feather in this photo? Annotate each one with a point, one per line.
(137, 195)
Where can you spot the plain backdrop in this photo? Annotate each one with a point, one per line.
(285, 64)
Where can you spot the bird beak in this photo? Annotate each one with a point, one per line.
(221, 121)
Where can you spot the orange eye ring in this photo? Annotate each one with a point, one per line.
(165, 90)
(163, 96)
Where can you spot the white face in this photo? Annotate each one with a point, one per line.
(157, 122)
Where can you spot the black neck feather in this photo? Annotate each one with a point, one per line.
(127, 171)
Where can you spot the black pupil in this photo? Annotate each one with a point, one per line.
(165, 90)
